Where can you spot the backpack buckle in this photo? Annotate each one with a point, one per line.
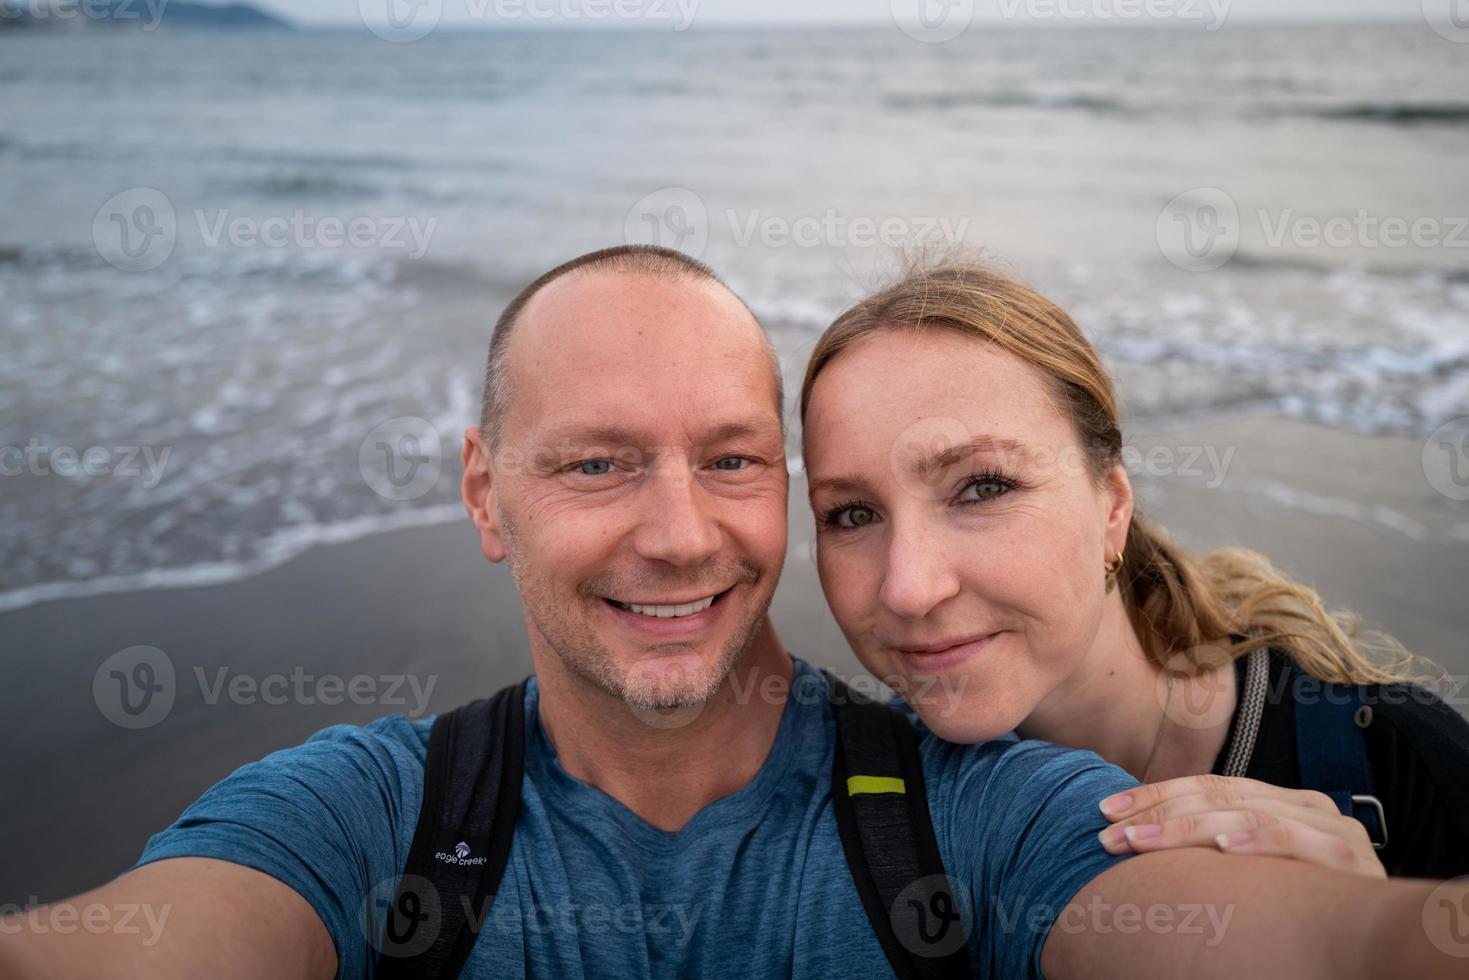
(1375, 804)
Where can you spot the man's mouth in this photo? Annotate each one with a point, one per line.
(669, 610)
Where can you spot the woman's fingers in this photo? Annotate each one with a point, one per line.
(1122, 805)
(1294, 840)
(1183, 806)
(1343, 847)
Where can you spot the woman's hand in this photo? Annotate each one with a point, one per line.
(1238, 816)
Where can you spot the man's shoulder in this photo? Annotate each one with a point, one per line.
(390, 733)
(334, 763)
(1013, 778)
(950, 765)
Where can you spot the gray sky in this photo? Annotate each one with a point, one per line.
(858, 12)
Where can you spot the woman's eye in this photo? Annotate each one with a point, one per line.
(853, 516)
(730, 463)
(985, 488)
(594, 467)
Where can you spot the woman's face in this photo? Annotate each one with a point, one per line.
(961, 535)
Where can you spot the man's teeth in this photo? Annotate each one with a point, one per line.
(669, 612)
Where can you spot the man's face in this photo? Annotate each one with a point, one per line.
(640, 482)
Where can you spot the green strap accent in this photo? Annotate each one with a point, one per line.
(874, 784)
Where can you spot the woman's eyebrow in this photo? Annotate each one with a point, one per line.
(836, 484)
(930, 462)
(924, 462)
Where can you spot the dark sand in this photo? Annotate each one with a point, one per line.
(82, 795)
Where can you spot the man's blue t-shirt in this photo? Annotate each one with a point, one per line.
(755, 885)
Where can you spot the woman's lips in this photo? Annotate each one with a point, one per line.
(933, 660)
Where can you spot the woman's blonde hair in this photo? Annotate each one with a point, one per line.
(1178, 603)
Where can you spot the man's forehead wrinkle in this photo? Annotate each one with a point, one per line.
(660, 436)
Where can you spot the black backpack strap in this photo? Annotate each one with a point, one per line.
(877, 790)
(471, 799)
(1331, 748)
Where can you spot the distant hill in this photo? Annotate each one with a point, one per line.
(148, 14)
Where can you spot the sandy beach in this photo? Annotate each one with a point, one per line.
(424, 623)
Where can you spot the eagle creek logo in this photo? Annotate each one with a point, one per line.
(460, 856)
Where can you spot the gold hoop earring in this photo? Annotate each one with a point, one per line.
(1112, 568)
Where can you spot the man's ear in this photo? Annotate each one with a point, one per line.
(1117, 497)
(478, 490)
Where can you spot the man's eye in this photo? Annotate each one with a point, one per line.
(731, 463)
(594, 467)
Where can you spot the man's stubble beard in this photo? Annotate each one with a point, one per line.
(576, 644)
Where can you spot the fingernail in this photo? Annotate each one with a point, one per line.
(1234, 839)
(1143, 831)
(1113, 836)
(1120, 803)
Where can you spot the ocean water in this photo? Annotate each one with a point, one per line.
(234, 383)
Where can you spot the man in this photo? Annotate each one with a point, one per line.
(676, 815)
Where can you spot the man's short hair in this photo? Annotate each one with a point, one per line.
(649, 260)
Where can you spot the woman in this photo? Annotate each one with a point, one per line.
(979, 547)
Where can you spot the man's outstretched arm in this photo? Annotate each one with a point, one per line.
(178, 918)
(1200, 913)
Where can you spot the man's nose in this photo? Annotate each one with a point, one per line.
(918, 575)
(678, 526)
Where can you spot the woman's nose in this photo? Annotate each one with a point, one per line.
(918, 575)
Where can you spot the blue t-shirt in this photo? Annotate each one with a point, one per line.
(755, 885)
